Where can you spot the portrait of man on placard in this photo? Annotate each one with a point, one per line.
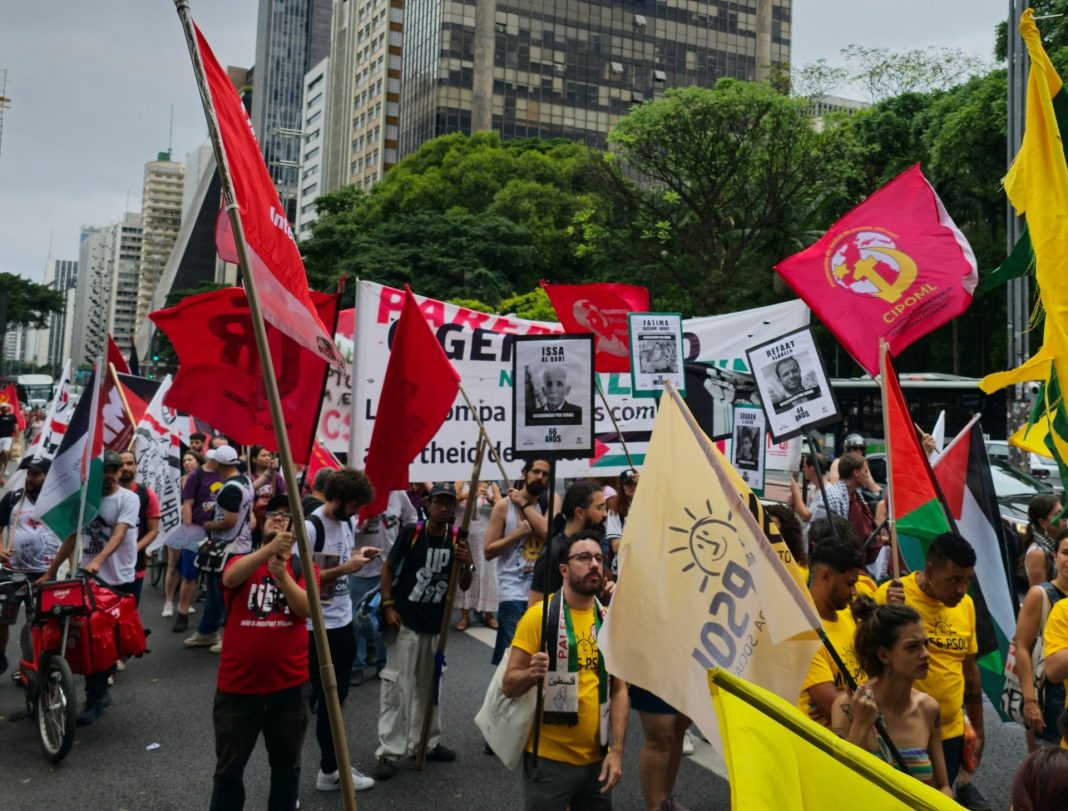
(551, 387)
(792, 383)
(747, 440)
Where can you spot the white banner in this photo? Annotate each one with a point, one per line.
(480, 348)
(159, 465)
(336, 411)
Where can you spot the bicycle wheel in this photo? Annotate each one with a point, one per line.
(57, 708)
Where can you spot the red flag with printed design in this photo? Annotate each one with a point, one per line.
(115, 357)
(602, 309)
(418, 391)
(10, 396)
(275, 262)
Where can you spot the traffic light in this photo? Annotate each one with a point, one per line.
(155, 358)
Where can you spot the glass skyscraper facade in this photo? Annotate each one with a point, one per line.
(571, 68)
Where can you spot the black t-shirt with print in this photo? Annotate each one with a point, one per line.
(8, 425)
(419, 590)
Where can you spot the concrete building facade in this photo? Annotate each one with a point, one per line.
(62, 276)
(291, 36)
(572, 68)
(313, 123)
(161, 217)
(106, 294)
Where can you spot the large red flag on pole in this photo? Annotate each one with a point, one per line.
(600, 308)
(115, 357)
(419, 388)
(281, 281)
(220, 377)
(894, 268)
(10, 396)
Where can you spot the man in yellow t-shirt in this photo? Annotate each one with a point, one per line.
(1055, 646)
(940, 595)
(573, 768)
(836, 564)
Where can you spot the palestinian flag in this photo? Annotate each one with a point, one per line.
(913, 495)
(963, 471)
(124, 407)
(77, 468)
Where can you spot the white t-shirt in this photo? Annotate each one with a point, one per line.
(121, 507)
(515, 568)
(380, 531)
(337, 542)
(33, 544)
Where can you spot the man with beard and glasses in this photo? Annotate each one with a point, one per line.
(584, 508)
(515, 536)
(575, 768)
(27, 543)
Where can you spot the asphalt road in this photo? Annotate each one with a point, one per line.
(165, 698)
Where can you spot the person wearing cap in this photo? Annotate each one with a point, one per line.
(198, 507)
(413, 605)
(9, 427)
(229, 528)
(263, 668)
(330, 534)
(853, 444)
(110, 553)
(28, 544)
(617, 517)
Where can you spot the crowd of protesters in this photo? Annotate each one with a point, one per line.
(909, 644)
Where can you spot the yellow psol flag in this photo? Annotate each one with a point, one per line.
(777, 758)
(700, 586)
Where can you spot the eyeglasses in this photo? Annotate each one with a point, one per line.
(586, 558)
(276, 514)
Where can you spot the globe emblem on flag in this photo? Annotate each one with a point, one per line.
(868, 262)
(707, 540)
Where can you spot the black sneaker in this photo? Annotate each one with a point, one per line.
(181, 623)
(3, 663)
(441, 754)
(385, 769)
(970, 797)
(356, 679)
(91, 711)
(486, 749)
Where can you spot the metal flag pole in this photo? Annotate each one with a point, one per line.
(612, 417)
(890, 515)
(545, 645)
(326, 666)
(450, 598)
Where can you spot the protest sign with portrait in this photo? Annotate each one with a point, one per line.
(749, 445)
(656, 353)
(553, 396)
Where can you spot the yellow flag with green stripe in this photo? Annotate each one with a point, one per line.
(777, 758)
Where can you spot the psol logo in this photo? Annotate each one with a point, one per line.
(716, 551)
(868, 262)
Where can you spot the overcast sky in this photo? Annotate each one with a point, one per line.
(92, 84)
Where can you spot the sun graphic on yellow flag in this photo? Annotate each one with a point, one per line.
(708, 540)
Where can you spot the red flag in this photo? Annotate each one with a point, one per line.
(115, 357)
(118, 423)
(219, 377)
(320, 458)
(602, 309)
(10, 396)
(275, 261)
(895, 267)
(417, 392)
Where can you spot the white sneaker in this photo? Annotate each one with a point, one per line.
(193, 608)
(332, 781)
(687, 743)
(168, 609)
(199, 640)
(217, 647)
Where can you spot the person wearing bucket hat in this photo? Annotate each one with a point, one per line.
(110, 553)
(28, 544)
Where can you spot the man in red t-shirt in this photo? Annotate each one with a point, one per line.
(263, 667)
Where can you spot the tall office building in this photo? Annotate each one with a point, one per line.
(571, 68)
(62, 276)
(291, 37)
(161, 216)
(363, 115)
(106, 300)
(313, 122)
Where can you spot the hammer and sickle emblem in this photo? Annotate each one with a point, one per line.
(867, 269)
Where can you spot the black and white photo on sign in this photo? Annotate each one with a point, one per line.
(656, 354)
(712, 393)
(553, 396)
(749, 445)
(793, 384)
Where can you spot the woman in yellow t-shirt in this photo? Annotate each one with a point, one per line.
(891, 646)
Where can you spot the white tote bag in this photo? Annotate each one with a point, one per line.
(505, 722)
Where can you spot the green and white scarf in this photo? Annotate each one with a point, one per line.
(562, 681)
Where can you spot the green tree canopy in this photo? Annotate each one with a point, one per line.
(463, 212)
(29, 304)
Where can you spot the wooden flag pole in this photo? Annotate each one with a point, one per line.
(125, 404)
(285, 453)
(485, 436)
(890, 515)
(450, 596)
(612, 417)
